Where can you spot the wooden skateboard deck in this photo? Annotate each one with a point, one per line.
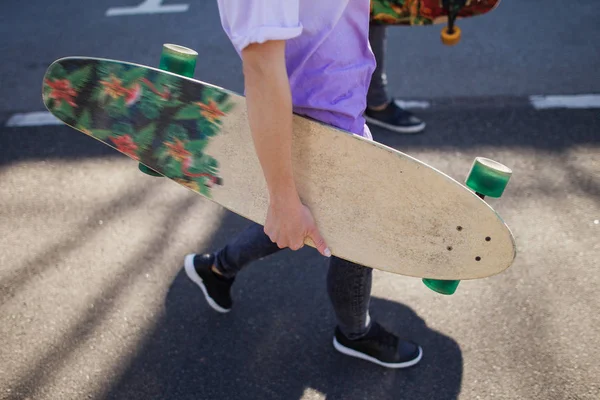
(374, 205)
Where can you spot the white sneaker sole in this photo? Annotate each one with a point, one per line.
(395, 128)
(193, 275)
(353, 353)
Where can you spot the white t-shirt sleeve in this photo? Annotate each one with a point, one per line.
(257, 21)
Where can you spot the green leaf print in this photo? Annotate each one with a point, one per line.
(175, 131)
(97, 94)
(121, 128)
(101, 134)
(173, 169)
(227, 107)
(117, 108)
(85, 121)
(210, 93)
(106, 69)
(196, 146)
(188, 112)
(202, 188)
(132, 76)
(203, 164)
(207, 128)
(145, 136)
(149, 109)
(162, 154)
(57, 72)
(80, 77)
(65, 110)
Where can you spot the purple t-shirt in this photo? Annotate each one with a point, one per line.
(328, 56)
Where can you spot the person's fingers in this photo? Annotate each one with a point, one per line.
(319, 242)
(296, 246)
(274, 237)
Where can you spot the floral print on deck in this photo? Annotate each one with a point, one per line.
(424, 12)
(159, 119)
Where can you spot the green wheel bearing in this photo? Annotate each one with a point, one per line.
(178, 60)
(487, 178)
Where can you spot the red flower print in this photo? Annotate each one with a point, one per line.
(61, 90)
(126, 145)
(210, 111)
(114, 88)
(177, 150)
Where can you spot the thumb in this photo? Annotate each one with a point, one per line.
(319, 243)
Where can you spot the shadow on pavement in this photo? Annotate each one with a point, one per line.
(498, 127)
(276, 342)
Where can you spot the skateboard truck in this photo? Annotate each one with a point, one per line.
(451, 33)
(178, 60)
(487, 178)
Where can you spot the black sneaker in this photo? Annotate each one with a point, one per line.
(380, 347)
(216, 289)
(395, 118)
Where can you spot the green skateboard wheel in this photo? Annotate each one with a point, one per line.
(441, 286)
(147, 170)
(488, 177)
(178, 60)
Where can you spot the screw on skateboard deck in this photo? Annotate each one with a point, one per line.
(373, 204)
(429, 12)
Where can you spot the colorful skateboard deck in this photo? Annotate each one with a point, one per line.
(374, 205)
(429, 12)
(426, 12)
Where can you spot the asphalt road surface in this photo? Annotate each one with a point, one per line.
(93, 300)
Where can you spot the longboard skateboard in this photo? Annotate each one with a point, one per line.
(374, 205)
(429, 12)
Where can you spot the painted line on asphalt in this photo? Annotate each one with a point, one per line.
(147, 7)
(586, 101)
(39, 118)
(413, 104)
(570, 101)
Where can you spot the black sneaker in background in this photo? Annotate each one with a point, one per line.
(216, 289)
(380, 347)
(395, 118)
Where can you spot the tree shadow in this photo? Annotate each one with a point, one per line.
(39, 374)
(276, 342)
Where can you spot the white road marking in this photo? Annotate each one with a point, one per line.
(412, 104)
(571, 101)
(147, 7)
(538, 102)
(33, 119)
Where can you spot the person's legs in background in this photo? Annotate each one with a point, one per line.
(382, 110)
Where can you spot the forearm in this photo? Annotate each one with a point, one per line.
(270, 116)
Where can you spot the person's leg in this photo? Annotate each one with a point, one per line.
(382, 110)
(377, 96)
(349, 289)
(215, 273)
(250, 245)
